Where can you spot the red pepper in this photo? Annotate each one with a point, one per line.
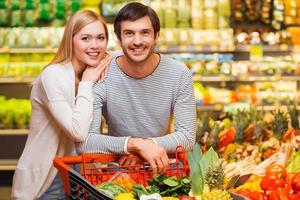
(256, 195)
(282, 193)
(296, 182)
(226, 137)
(295, 196)
(278, 170)
(271, 182)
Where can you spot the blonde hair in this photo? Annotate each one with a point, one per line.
(77, 21)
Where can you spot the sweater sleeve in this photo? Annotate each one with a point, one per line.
(184, 118)
(96, 142)
(75, 121)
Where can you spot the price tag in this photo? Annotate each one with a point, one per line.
(256, 52)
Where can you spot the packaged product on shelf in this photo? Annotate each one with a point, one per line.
(224, 12)
(4, 13)
(170, 14)
(55, 34)
(3, 36)
(158, 6)
(184, 11)
(197, 18)
(43, 39)
(184, 36)
(171, 36)
(44, 11)
(15, 13)
(29, 17)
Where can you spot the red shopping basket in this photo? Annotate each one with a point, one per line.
(98, 168)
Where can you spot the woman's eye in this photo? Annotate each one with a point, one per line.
(85, 38)
(101, 38)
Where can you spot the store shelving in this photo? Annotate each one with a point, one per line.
(13, 80)
(8, 164)
(15, 132)
(28, 50)
(244, 78)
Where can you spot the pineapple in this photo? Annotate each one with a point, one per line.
(294, 114)
(280, 123)
(217, 195)
(214, 179)
(241, 121)
(214, 176)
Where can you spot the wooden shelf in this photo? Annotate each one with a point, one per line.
(16, 80)
(28, 50)
(14, 132)
(243, 78)
(8, 164)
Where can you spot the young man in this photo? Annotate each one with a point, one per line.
(141, 91)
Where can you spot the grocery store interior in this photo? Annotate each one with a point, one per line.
(244, 55)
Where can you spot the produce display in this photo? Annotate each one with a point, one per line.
(14, 113)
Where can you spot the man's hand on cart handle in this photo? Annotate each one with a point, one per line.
(155, 155)
(130, 160)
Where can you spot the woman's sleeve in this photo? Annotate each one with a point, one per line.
(74, 121)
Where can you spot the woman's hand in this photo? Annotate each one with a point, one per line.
(98, 73)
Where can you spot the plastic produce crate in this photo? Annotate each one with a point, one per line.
(98, 168)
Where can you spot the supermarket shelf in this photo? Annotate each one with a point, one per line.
(175, 49)
(195, 49)
(273, 107)
(8, 164)
(11, 132)
(16, 80)
(243, 78)
(222, 107)
(213, 107)
(266, 48)
(28, 50)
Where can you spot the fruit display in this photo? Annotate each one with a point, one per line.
(14, 113)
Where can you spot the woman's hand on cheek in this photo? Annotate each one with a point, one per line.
(98, 73)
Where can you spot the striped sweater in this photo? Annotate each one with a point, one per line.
(142, 108)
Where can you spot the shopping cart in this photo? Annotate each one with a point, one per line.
(98, 168)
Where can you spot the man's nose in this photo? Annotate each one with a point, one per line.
(137, 40)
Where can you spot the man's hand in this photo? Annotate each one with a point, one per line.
(155, 155)
(130, 160)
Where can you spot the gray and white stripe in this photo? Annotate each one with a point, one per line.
(142, 108)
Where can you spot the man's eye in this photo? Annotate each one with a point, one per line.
(128, 33)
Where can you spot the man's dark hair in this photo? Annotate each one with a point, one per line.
(134, 11)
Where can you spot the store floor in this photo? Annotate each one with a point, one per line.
(5, 192)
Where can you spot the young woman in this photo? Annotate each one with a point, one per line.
(62, 106)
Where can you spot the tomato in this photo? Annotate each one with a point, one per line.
(277, 169)
(296, 182)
